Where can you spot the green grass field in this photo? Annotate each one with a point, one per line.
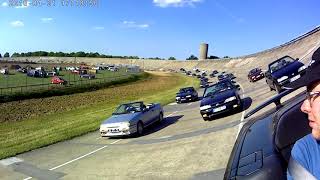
(51, 127)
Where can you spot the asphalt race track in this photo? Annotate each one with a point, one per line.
(183, 146)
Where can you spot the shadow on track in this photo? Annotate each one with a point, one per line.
(216, 174)
(154, 127)
(161, 125)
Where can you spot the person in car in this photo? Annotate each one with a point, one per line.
(305, 154)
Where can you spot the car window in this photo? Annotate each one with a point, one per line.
(280, 64)
(220, 87)
(128, 108)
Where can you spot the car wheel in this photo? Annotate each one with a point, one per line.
(139, 128)
(206, 119)
(240, 108)
(278, 89)
(160, 117)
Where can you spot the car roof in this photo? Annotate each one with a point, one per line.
(187, 88)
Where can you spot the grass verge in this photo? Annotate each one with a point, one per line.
(21, 136)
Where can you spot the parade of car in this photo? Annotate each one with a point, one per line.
(159, 89)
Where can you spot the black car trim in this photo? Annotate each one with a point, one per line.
(276, 99)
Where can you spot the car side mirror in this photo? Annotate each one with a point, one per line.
(297, 59)
(237, 86)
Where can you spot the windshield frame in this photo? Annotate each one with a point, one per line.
(186, 90)
(128, 108)
(279, 64)
(217, 88)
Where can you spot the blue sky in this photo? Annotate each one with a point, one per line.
(156, 28)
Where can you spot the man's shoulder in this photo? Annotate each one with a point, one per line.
(305, 149)
(302, 145)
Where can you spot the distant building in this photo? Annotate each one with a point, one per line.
(203, 51)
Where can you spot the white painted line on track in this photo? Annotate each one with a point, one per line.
(98, 137)
(172, 104)
(243, 112)
(9, 161)
(189, 104)
(79, 157)
(164, 137)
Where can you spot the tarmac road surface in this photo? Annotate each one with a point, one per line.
(183, 146)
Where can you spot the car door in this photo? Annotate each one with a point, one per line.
(269, 79)
(146, 115)
(154, 111)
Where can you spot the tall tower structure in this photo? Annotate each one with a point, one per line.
(203, 51)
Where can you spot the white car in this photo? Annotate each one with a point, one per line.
(70, 68)
(4, 71)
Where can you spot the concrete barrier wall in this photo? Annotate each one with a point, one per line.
(301, 47)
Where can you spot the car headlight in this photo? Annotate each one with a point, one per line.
(301, 68)
(230, 99)
(177, 97)
(282, 78)
(188, 96)
(205, 107)
(124, 125)
(102, 127)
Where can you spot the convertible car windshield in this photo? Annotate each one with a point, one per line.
(256, 70)
(217, 88)
(281, 63)
(128, 108)
(184, 90)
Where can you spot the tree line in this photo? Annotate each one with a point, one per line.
(63, 54)
(91, 54)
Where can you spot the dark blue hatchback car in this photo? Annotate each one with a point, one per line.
(283, 71)
(219, 98)
(186, 94)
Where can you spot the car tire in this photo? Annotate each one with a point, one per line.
(206, 119)
(140, 128)
(278, 89)
(240, 108)
(160, 119)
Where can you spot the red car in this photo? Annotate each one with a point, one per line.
(58, 80)
(255, 75)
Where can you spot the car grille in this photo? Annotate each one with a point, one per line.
(218, 103)
(113, 130)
